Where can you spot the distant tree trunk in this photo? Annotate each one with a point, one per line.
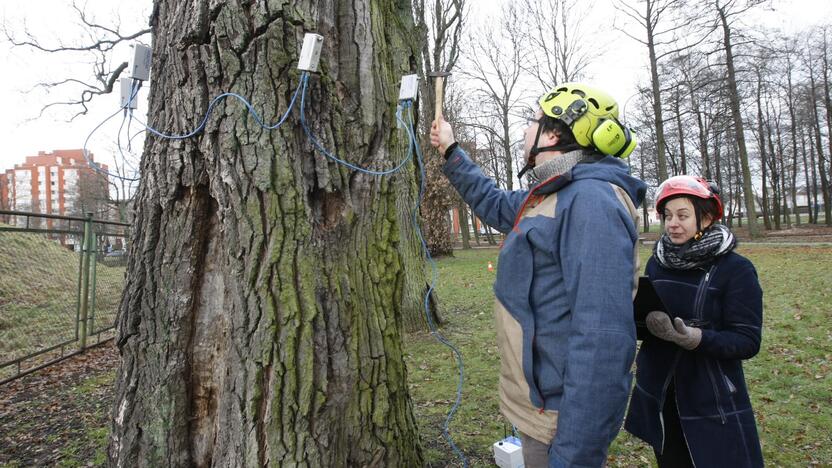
(644, 208)
(761, 145)
(655, 87)
(782, 199)
(731, 198)
(739, 131)
(794, 133)
(718, 160)
(827, 100)
(489, 234)
(775, 181)
(682, 154)
(463, 225)
(824, 180)
(261, 321)
(703, 136)
(475, 223)
(814, 206)
(806, 176)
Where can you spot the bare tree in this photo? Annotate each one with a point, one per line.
(557, 49)
(442, 22)
(651, 16)
(494, 66)
(100, 38)
(726, 11)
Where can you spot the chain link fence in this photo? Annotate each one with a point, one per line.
(61, 280)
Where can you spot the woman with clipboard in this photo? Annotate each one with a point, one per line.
(690, 402)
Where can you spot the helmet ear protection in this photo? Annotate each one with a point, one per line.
(614, 139)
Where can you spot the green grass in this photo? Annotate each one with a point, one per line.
(39, 294)
(789, 379)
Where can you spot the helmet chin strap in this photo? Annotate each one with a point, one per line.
(535, 150)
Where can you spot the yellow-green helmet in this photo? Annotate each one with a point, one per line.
(592, 115)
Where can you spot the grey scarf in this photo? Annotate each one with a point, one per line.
(555, 167)
(715, 241)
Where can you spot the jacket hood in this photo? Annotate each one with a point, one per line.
(613, 170)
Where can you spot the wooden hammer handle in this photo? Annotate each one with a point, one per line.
(439, 86)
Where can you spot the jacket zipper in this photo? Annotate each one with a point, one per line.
(698, 306)
(699, 302)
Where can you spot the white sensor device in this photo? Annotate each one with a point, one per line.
(140, 64)
(310, 53)
(409, 88)
(508, 453)
(127, 90)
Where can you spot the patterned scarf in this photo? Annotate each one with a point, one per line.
(558, 165)
(715, 241)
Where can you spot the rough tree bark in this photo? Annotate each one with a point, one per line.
(261, 322)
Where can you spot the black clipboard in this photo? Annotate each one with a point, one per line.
(646, 300)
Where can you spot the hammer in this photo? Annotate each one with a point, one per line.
(439, 87)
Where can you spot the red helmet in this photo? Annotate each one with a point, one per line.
(688, 185)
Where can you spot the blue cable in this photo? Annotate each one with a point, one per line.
(317, 144)
(409, 128)
(434, 278)
(213, 103)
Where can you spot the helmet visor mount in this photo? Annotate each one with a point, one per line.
(574, 112)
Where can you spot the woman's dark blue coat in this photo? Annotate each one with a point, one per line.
(725, 300)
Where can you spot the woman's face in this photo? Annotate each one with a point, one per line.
(680, 220)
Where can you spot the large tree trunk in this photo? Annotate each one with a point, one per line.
(261, 325)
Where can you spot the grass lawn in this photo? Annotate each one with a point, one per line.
(39, 295)
(65, 421)
(789, 380)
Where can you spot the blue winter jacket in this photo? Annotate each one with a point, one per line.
(725, 300)
(565, 283)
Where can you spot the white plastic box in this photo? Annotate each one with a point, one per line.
(508, 453)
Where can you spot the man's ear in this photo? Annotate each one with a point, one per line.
(548, 138)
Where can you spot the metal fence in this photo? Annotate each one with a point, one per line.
(61, 280)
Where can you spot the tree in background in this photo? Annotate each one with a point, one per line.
(554, 31)
(442, 21)
(652, 15)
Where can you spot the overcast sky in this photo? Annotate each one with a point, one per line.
(22, 133)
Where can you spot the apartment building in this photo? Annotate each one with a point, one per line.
(59, 182)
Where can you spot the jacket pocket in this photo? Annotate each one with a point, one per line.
(715, 387)
(732, 389)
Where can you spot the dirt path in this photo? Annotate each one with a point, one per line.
(59, 415)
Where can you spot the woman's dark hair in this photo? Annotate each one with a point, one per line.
(564, 133)
(701, 207)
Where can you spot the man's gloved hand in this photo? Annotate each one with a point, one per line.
(677, 332)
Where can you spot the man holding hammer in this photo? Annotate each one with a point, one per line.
(566, 275)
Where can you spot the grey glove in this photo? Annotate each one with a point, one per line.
(677, 332)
